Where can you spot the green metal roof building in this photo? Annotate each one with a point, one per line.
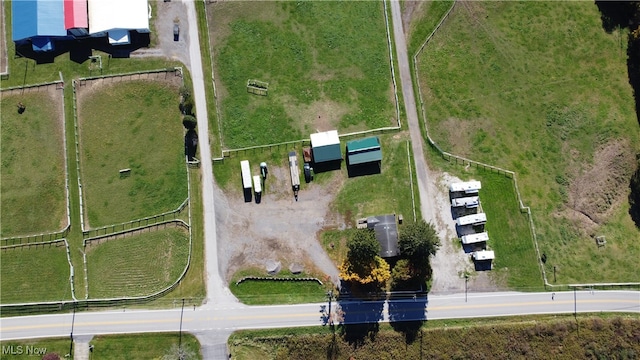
(364, 151)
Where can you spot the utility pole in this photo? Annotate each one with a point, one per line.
(73, 320)
(466, 280)
(180, 340)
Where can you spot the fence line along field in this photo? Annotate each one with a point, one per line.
(32, 274)
(33, 168)
(326, 65)
(138, 264)
(130, 125)
(542, 89)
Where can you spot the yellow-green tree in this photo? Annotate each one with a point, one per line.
(363, 265)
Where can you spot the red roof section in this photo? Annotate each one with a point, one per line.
(75, 14)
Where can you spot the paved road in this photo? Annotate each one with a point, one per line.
(224, 319)
(422, 173)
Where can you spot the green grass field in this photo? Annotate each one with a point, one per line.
(256, 292)
(143, 346)
(34, 274)
(542, 89)
(33, 169)
(137, 265)
(327, 65)
(34, 348)
(424, 21)
(145, 135)
(538, 337)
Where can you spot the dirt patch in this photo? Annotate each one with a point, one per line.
(323, 115)
(595, 191)
(277, 229)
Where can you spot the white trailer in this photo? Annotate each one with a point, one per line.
(246, 179)
(468, 202)
(474, 219)
(257, 187)
(483, 255)
(295, 173)
(475, 238)
(246, 174)
(469, 187)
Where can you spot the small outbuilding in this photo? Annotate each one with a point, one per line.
(386, 230)
(474, 219)
(326, 146)
(483, 255)
(364, 157)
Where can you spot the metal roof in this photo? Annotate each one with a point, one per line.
(75, 14)
(33, 18)
(364, 151)
(106, 15)
(326, 146)
(386, 230)
(325, 138)
(371, 143)
(365, 157)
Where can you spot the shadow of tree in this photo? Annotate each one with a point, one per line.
(408, 315)
(360, 320)
(626, 15)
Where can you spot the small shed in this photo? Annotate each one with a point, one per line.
(363, 151)
(386, 230)
(326, 146)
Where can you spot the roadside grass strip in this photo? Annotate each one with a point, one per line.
(138, 264)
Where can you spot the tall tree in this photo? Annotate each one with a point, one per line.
(363, 265)
(417, 242)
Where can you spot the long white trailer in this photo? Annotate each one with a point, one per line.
(475, 238)
(469, 187)
(468, 202)
(474, 219)
(246, 174)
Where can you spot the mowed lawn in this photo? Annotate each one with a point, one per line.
(137, 265)
(326, 63)
(33, 170)
(34, 274)
(540, 88)
(144, 346)
(134, 125)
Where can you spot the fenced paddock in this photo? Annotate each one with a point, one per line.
(34, 195)
(137, 265)
(145, 135)
(34, 272)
